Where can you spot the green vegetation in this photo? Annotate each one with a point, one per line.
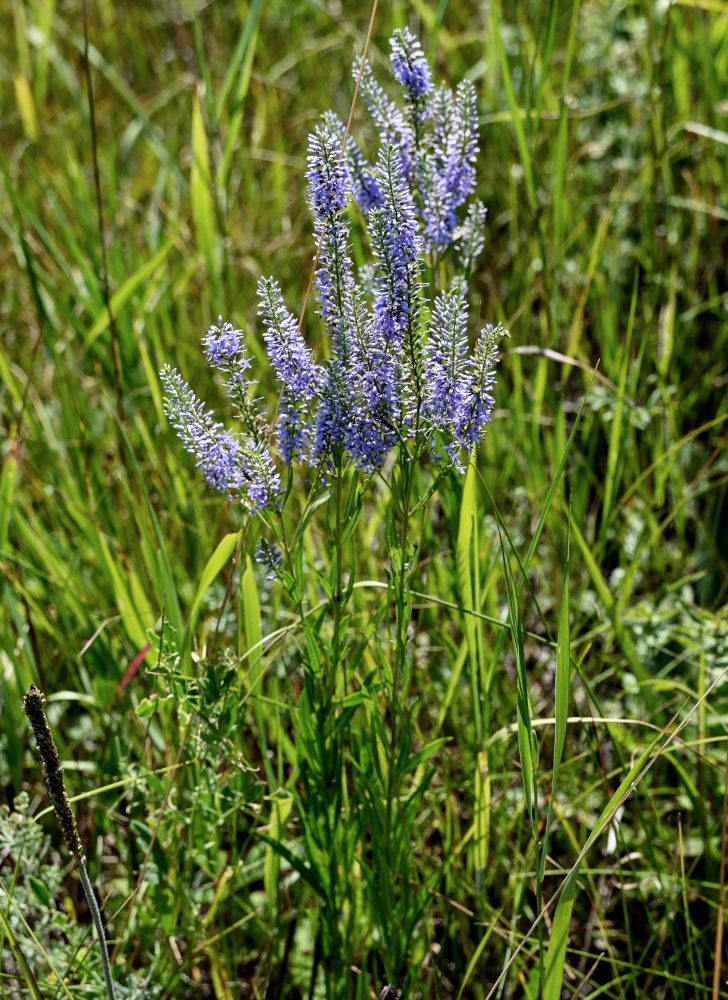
(579, 572)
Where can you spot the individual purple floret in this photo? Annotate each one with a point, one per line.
(410, 65)
(228, 463)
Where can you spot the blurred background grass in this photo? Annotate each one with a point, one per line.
(604, 146)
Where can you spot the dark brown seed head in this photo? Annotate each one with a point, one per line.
(33, 708)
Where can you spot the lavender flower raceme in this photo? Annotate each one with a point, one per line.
(237, 467)
(470, 237)
(446, 168)
(225, 351)
(296, 370)
(364, 187)
(476, 413)
(269, 555)
(329, 191)
(449, 381)
(374, 380)
(412, 71)
(393, 128)
(396, 245)
(292, 360)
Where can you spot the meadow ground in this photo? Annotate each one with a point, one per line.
(604, 166)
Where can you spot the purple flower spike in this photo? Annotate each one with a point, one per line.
(223, 344)
(479, 403)
(291, 358)
(229, 463)
(396, 245)
(269, 556)
(364, 188)
(326, 174)
(411, 68)
(389, 121)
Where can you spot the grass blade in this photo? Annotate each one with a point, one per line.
(525, 732)
(208, 242)
(514, 108)
(215, 563)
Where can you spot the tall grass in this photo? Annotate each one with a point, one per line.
(570, 598)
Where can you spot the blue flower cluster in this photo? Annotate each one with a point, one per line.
(237, 464)
(398, 370)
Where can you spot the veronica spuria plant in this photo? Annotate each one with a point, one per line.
(399, 402)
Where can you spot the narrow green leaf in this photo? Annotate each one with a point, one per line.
(478, 952)
(254, 659)
(514, 108)
(546, 56)
(280, 809)
(616, 433)
(26, 107)
(298, 865)
(466, 565)
(481, 813)
(560, 931)
(559, 183)
(523, 707)
(171, 599)
(215, 563)
(7, 493)
(201, 194)
(240, 69)
(21, 960)
(558, 940)
(134, 626)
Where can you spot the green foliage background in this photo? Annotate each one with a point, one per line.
(604, 165)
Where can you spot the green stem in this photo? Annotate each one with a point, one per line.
(338, 604)
(98, 924)
(405, 571)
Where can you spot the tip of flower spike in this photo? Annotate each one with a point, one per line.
(326, 174)
(223, 343)
(410, 65)
(269, 556)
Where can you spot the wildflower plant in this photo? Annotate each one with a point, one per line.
(399, 399)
